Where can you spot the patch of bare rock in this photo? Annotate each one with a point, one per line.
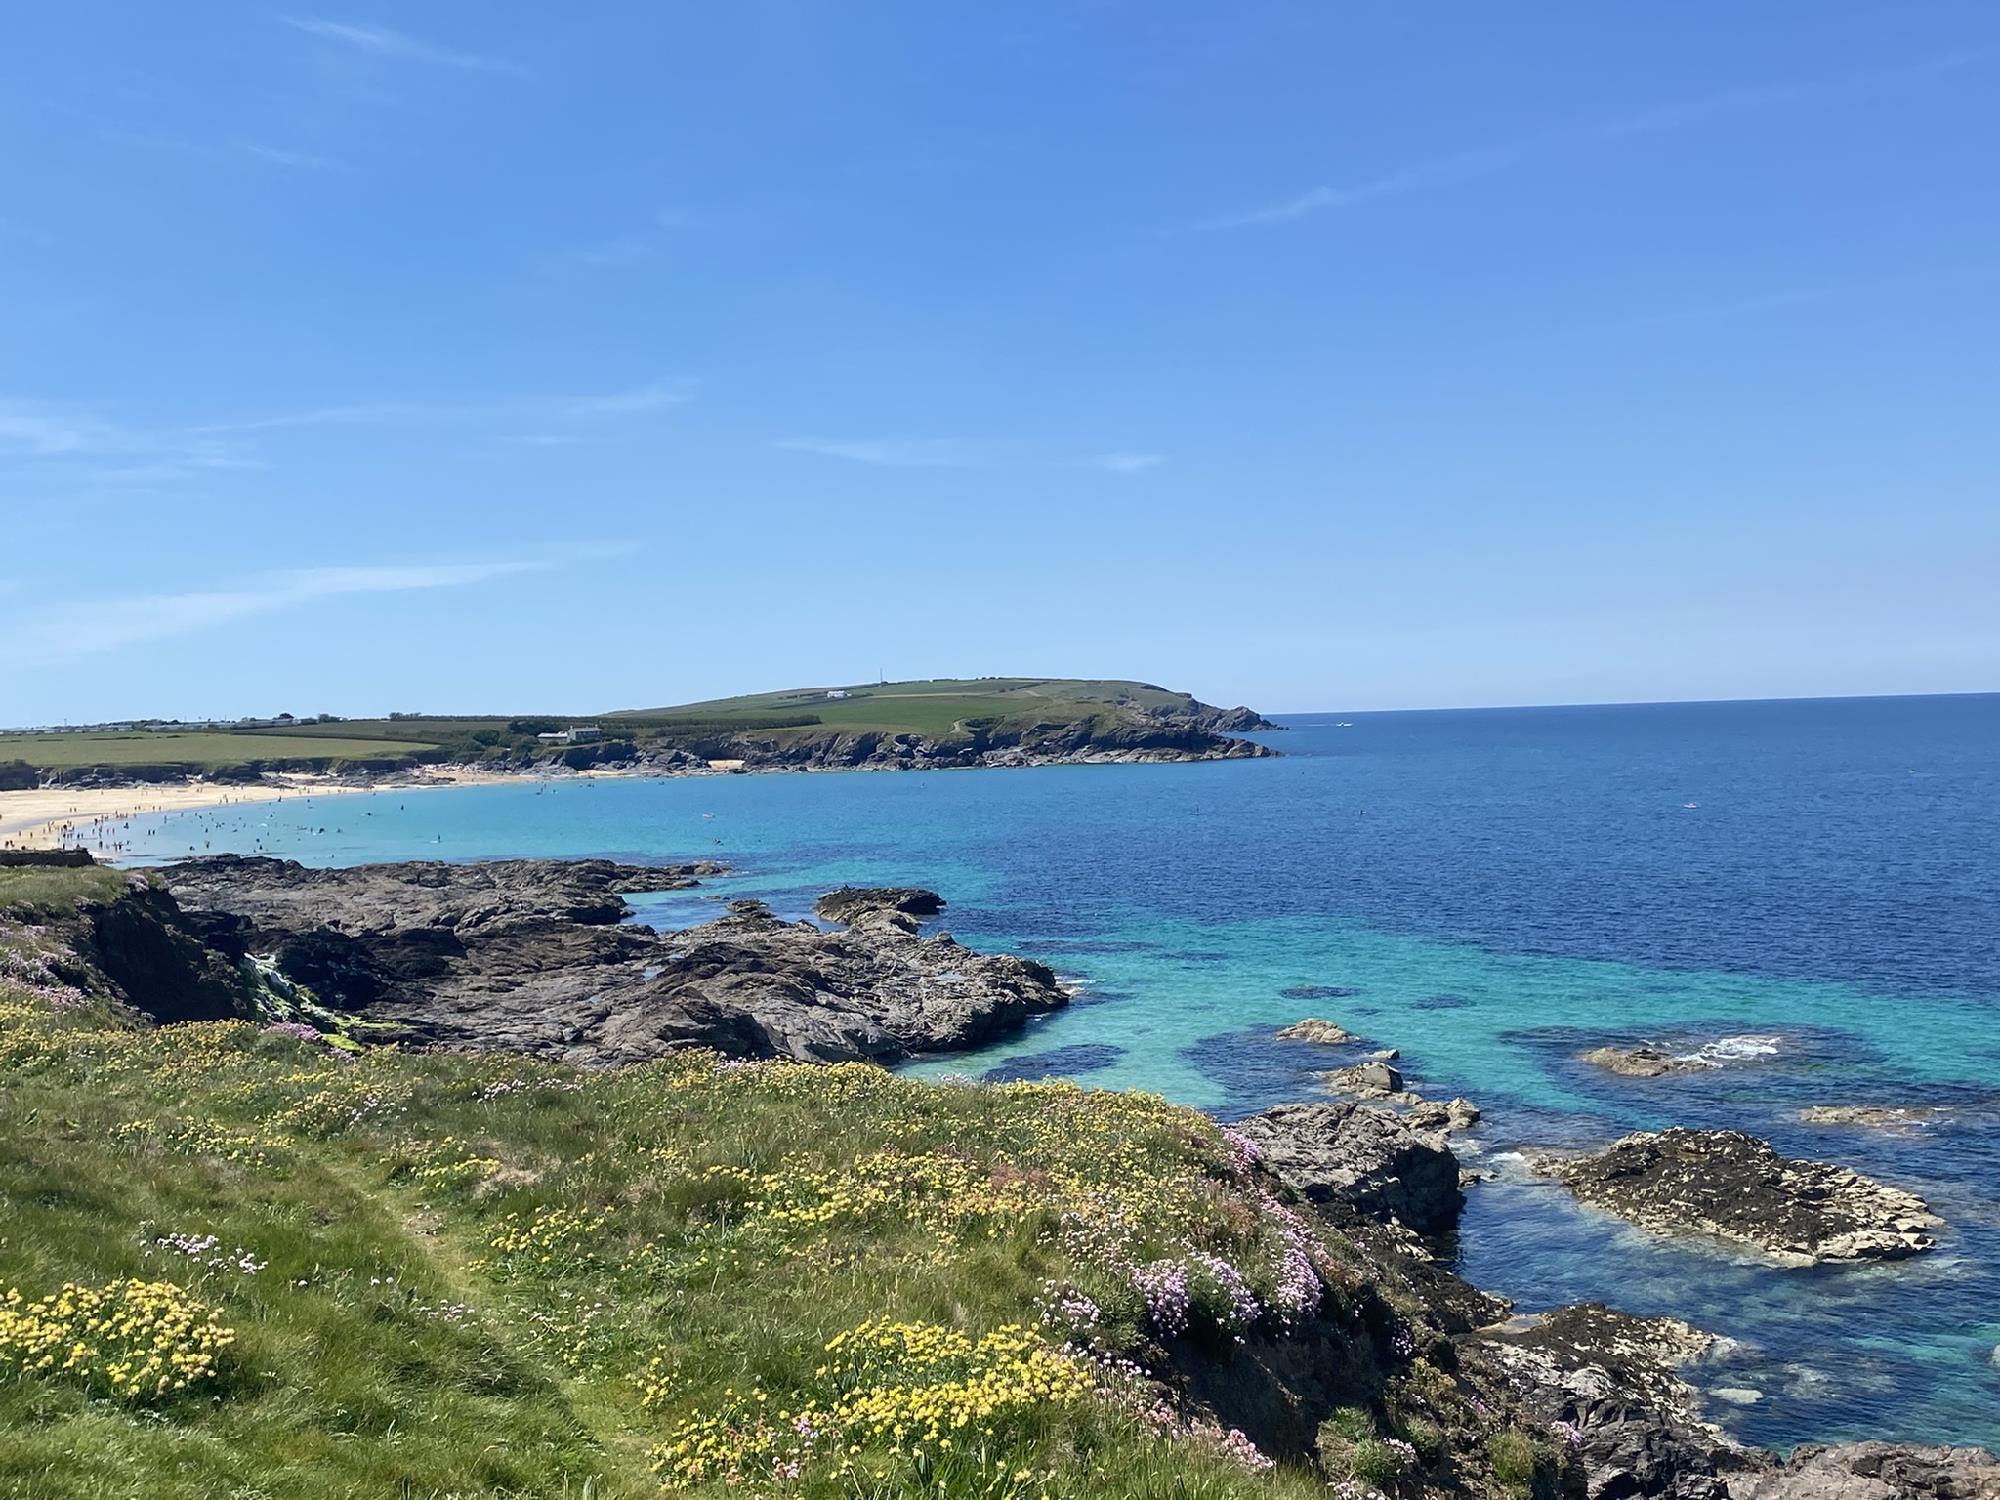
(1611, 1382)
(849, 902)
(537, 956)
(1313, 1029)
(1365, 1157)
(1736, 1187)
(1642, 1061)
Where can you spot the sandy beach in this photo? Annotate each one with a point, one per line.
(93, 817)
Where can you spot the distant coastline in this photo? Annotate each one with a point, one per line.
(79, 787)
(91, 815)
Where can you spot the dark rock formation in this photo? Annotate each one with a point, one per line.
(753, 985)
(1725, 1183)
(54, 859)
(847, 903)
(1195, 731)
(140, 942)
(1442, 1117)
(1610, 1383)
(535, 956)
(1642, 1061)
(1369, 1080)
(1875, 1471)
(1237, 720)
(1366, 1157)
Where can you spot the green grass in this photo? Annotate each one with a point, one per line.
(492, 1276)
(935, 707)
(47, 890)
(450, 1275)
(1018, 694)
(199, 750)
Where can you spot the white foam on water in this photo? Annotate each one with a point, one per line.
(1728, 1049)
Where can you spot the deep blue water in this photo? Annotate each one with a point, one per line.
(1490, 891)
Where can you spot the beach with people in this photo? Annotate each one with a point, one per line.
(98, 818)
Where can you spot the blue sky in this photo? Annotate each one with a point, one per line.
(508, 356)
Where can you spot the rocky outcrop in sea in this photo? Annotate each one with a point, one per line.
(1736, 1187)
(537, 956)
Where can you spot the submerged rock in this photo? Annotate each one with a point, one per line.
(1642, 1061)
(1650, 1060)
(1317, 992)
(1366, 1157)
(1870, 1116)
(1875, 1471)
(1313, 1029)
(1734, 1186)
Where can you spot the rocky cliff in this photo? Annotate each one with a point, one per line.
(536, 956)
(1121, 737)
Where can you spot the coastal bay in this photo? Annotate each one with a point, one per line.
(1493, 894)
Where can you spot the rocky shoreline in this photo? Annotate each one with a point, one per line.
(1198, 732)
(541, 957)
(537, 956)
(1613, 1385)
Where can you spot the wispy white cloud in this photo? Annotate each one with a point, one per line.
(399, 47)
(93, 627)
(230, 150)
(42, 441)
(41, 429)
(278, 157)
(355, 414)
(659, 396)
(656, 396)
(889, 453)
(1124, 461)
(45, 434)
(1482, 161)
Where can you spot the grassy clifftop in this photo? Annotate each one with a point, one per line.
(936, 705)
(932, 710)
(237, 1261)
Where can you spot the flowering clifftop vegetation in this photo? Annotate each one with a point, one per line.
(232, 1252)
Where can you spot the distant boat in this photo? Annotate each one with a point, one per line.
(1690, 806)
(1343, 724)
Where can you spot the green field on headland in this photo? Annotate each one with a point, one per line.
(935, 710)
(199, 750)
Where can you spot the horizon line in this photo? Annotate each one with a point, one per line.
(1462, 708)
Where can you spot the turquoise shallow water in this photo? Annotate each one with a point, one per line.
(1490, 892)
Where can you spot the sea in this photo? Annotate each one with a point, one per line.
(1804, 894)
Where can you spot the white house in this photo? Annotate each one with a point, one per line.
(836, 692)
